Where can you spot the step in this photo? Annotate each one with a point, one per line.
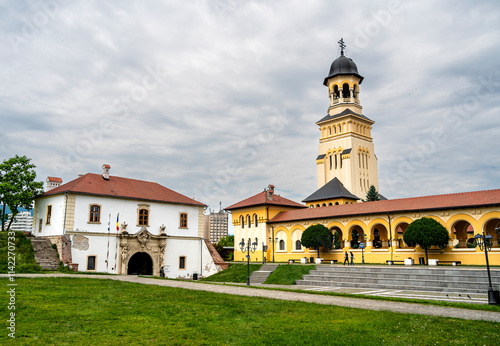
(263, 273)
(391, 287)
(387, 276)
(45, 255)
(399, 281)
(391, 269)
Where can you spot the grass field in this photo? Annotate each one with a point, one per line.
(92, 311)
(288, 274)
(235, 273)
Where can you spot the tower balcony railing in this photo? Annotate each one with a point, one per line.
(345, 100)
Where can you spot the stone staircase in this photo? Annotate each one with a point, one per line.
(402, 278)
(261, 275)
(45, 256)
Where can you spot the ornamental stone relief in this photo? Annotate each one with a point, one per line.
(142, 241)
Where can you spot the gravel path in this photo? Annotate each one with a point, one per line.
(368, 304)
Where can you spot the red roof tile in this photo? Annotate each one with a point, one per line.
(95, 184)
(437, 202)
(261, 199)
(54, 179)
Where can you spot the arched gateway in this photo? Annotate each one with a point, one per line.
(142, 253)
(140, 264)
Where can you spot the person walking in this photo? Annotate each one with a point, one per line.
(346, 258)
(352, 258)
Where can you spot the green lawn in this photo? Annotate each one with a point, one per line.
(95, 311)
(288, 274)
(235, 273)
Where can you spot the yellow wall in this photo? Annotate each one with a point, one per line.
(478, 218)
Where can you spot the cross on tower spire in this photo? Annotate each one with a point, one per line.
(342, 46)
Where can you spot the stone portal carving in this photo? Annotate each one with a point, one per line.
(142, 241)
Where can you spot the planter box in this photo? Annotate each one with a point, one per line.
(303, 260)
(409, 262)
(433, 262)
(318, 260)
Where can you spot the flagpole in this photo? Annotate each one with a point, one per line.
(109, 230)
(117, 240)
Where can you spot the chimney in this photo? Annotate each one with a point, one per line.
(105, 171)
(52, 183)
(270, 192)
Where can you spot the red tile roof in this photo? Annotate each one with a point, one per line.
(54, 179)
(437, 202)
(261, 199)
(95, 184)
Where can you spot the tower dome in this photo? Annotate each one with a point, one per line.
(343, 66)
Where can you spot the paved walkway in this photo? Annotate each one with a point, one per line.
(293, 296)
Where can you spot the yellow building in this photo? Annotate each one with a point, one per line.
(346, 168)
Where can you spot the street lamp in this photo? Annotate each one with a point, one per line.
(249, 246)
(362, 246)
(484, 242)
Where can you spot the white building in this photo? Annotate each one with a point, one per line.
(23, 222)
(218, 225)
(117, 225)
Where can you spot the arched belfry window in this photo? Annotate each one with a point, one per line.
(335, 160)
(242, 221)
(331, 164)
(249, 221)
(255, 220)
(336, 93)
(346, 93)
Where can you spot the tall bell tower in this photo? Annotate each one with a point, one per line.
(346, 150)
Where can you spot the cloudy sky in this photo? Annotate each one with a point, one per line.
(217, 99)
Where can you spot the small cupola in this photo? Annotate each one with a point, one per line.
(105, 171)
(52, 183)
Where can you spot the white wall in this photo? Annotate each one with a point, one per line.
(198, 259)
(98, 246)
(159, 214)
(57, 220)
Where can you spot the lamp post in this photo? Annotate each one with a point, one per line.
(249, 246)
(264, 250)
(273, 241)
(484, 241)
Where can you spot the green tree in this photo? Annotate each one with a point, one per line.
(354, 241)
(317, 236)
(372, 194)
(227, 241)
(426, 232)
(336, 242)
(18, 187)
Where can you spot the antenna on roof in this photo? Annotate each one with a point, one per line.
(342, 46)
